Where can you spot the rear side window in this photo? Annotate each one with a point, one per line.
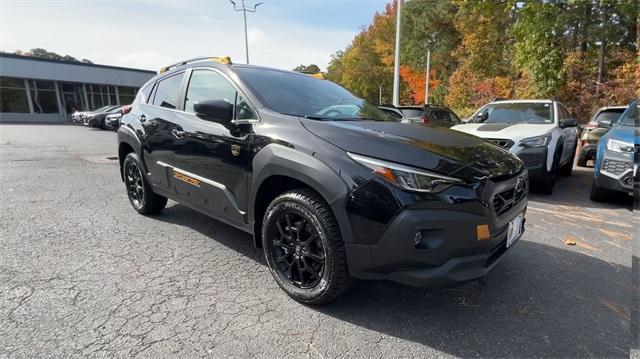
(168, 91)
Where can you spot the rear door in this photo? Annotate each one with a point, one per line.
(158, 121)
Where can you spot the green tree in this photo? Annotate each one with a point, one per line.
(539, 45)
(310, 69)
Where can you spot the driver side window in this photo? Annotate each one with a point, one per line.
(209, 85)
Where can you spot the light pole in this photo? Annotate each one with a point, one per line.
(426, 88)
(244, 10)
(396, 64)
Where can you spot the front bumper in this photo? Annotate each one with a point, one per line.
(535, 160)
(615, 173)
(447, 250)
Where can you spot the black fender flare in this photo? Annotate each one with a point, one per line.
(279, 160)
(128, 136)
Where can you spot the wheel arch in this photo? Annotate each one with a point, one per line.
(277, 168)
(127, 143)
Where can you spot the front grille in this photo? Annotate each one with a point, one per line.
(506, 200)
(616, 167)
(506, 144)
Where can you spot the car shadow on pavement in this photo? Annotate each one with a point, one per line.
(541, 301)
(227, 235)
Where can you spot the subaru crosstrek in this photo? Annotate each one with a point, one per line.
(329, 186)
(616, 165)
(541, 133)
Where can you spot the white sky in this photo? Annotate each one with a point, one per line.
(149, 35)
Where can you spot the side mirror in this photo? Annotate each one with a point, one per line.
(605, 123)
(214, 110)
(569, 122)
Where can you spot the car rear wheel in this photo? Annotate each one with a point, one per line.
(599, 194)
(139, 190)
(304, 248)
(567, 168)
(582, 160)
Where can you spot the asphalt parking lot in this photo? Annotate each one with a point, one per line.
(81, 274)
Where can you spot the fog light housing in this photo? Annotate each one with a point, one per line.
(482, 232)
(428, 238)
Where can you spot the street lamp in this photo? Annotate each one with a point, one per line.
(244, 10)
(396, 64)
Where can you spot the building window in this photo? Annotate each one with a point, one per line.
(101, 95)
(127, 94)
(44, 96)
(13, 95)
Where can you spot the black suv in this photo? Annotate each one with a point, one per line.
(328, 185)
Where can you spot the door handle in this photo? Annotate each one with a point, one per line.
(177, 133)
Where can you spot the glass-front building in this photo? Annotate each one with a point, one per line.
(41, 90)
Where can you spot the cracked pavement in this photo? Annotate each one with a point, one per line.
(83, 275)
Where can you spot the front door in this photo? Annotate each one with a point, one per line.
(212, 158)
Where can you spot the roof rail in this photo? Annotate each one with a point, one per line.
(219, 59)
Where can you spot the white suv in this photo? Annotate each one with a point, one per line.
(541, 133)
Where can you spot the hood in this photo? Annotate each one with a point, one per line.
(432, 148)
(625, 133)
(512, 131)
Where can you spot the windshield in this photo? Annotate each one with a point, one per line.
(534, 113)
(305, 96)
(412, 112)
(610, 115)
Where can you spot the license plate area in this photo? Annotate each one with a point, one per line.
(514, 229)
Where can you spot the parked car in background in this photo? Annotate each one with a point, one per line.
(326, 198)
(98, 119)
(113, 120)
(432, 115)
(87, 116)
(617, 156)
(542, 133)
(593, 131)
(77, 116)
(392, 112)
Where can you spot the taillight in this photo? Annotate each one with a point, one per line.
(126, 109)
(426, 120)
(584, 142)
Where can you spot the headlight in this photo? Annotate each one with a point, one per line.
(538, 141)
(619, 146)
(411, 179)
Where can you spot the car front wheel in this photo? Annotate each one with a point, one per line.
(304, 248)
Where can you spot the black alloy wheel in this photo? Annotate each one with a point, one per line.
(139, 191)
(297, 250)
(303, 247)
(135, 185)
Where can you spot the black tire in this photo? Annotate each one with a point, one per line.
(567, 168)
(304, 249)
(548, 182)
(599, 194)
(139, 190)
(582, 160)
